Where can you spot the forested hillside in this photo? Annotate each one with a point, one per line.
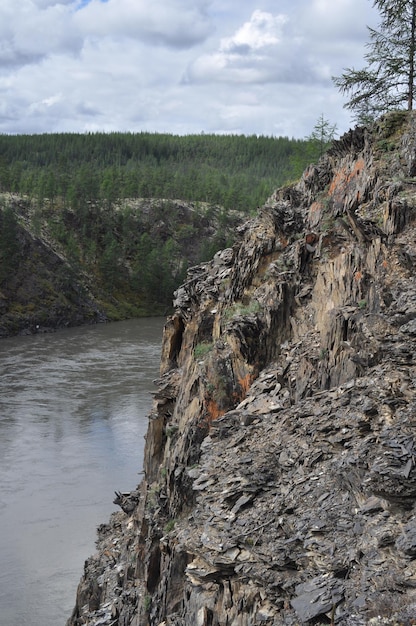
(234, 171)
(105, 226)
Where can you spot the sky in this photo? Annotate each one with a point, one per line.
(253, 67)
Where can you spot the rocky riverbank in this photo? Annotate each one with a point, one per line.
(280, 464)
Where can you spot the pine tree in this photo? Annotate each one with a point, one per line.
(388, 81)
(322, 136)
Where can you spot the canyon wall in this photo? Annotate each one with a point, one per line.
(279, 481)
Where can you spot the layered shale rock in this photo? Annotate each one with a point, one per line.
(280, 464)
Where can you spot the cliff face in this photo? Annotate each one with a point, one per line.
(40, 290)
(279, 480)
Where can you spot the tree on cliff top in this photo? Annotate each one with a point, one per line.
(388, 80)
(322, 135)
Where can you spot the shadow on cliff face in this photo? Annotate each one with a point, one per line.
(40, 290)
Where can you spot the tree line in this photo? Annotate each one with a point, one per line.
(234, 171)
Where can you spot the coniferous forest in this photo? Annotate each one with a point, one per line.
(123, 216)
(234, 171)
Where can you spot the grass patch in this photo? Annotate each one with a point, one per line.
(170, 526)
(202, 349)
(171, 430)
(238, 309)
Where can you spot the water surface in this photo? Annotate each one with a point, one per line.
(73, 414)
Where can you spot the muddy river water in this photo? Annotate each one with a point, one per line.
(73, 414)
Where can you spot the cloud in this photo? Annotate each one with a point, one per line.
(173, 23)
(263, 30)
(31, 30)
(336, 32)
(333, 21)
(265, 49)
(116, 79)
(176, 66)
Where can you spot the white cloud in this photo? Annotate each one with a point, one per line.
(177, 66)
(266, 49)
(263, 30)
(176, 23)
(31, 30)
(343, 19)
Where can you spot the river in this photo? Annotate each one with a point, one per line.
(73, 415)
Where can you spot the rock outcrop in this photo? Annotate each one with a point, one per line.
(42, 291)
(280, 462)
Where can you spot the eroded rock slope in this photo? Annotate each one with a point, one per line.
(280, 465)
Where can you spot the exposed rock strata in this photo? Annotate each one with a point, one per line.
(280, 461)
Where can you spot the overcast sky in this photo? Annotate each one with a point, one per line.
(178, 66)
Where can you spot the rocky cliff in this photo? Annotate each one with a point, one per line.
(40, 290)
(279, 479)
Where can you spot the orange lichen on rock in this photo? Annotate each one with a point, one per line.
(315, 207)
(245, 383)
(315, 211)
(213, 411)
(343, 181)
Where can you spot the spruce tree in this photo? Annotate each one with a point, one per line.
(322, 136)
(388, 81)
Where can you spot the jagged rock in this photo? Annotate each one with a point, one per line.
(317, 597)
(280, 460)
(127, 501)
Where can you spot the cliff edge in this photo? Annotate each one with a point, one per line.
(280, 462)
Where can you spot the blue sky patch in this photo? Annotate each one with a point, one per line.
(83, 3)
